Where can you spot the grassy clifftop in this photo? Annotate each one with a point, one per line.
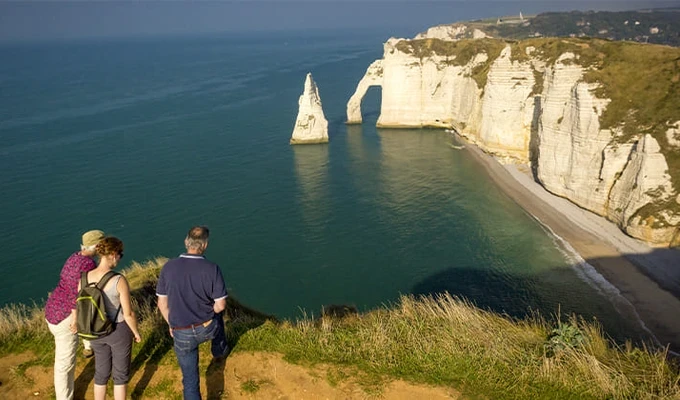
(651, 26)
(440, 340)
(658, 26)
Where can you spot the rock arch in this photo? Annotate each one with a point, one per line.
(372, 77)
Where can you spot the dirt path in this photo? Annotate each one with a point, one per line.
(243, 376)
(10, 386)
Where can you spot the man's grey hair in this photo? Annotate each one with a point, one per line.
(197, 238)
(88, 248)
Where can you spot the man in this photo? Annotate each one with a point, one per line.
(59, 313)
(191, 297)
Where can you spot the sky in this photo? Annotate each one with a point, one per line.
(56, 20)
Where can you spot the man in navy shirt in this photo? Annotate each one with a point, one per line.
(191, 297)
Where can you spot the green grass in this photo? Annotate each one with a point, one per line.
(336, 375)
(446, 341)
(20, 369)
(252, 386)
(434, 340)
(165, 389)
(22, 328)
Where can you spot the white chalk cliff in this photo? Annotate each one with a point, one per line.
(311, 125)
(451, 32)
(537, 112)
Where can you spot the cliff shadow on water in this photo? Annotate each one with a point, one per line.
(641, 312)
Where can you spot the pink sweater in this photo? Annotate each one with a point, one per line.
(63, 298)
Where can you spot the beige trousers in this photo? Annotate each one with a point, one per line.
(65, 344)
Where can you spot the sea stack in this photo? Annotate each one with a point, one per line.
(311, 126)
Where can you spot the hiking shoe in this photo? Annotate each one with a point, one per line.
(87, 353)
(222, 358)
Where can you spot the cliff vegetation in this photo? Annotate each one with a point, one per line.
(651, 26)
(442, 340)
(657, 26)
(457, 53)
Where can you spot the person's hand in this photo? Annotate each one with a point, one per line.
(73, 328)
(170, 330)
(137, 338)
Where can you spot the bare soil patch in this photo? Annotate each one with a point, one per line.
(268, 376)
(242, 376)
(15, 384)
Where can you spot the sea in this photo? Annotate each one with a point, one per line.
(147, 137)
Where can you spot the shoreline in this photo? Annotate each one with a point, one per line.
(630, 268)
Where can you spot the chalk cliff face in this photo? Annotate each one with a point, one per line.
(451, 32)
(534, 111)
(311, 125)
(571, 145)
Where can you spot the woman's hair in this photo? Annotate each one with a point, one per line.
(109, 245)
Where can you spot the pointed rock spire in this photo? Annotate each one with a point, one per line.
(311, 125)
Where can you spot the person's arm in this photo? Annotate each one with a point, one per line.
(220, 305)
(72, 273)
(219, 292)
(164, 308)
(126, 307)
(162, 294)
(74, 327)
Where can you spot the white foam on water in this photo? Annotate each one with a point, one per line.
(594, 279)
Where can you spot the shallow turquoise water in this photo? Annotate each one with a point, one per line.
(145, 138)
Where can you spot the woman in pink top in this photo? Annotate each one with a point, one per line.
(59, 314)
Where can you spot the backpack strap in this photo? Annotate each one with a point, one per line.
(105, 279)
(102, 282)
(115, 318)
(83, 279)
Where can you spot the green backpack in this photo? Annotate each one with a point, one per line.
(91, 319)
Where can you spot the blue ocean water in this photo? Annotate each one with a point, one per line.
(144, 138)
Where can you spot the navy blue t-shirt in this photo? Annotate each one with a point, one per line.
(191, 284)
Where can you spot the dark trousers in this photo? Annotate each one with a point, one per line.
(113, 352)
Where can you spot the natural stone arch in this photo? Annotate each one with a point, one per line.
(372, 77)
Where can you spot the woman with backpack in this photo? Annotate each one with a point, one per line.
(112, 353)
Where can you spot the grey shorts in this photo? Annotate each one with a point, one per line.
(113, 352)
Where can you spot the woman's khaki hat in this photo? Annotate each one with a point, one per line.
(91, 238)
